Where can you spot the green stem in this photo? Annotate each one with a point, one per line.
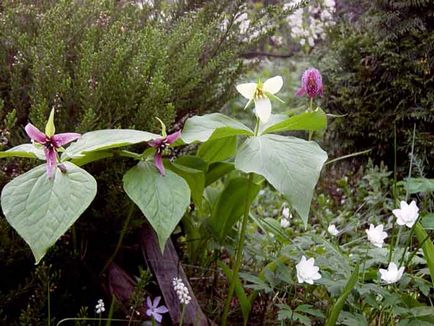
(239, 253)
(153, 321)
(48, 304)
(181, 322)
(364, 262)
(121, 238)
(310, 109)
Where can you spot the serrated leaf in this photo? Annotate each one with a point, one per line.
(416, 185)
(290, 164)
(41, 210)
(311, 120)
(218, 149)
(230, 206)
(162, 199)
(105, 139)
(212, 126)
(24, 150)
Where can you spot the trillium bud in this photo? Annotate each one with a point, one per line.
(311, 83)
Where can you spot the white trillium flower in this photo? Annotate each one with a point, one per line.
(306, 271)
(392, 274)
(333, 230)
(261, 93)
(406, 214)
(376, 235)
(284, 222)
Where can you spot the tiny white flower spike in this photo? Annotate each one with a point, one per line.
(306, 271)
(285, 213)
(261, 93)
(284, 222)
(406, 214)
(392, 274)
(376, 235)
(99, 308)
(333, 230)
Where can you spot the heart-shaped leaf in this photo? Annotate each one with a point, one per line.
(162, 199)
(105, 139)
(310, 120)
(41, 210)
(290, 164)
(212, 126)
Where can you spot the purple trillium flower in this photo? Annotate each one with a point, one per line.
(153, 309)
(50, 143)
(160, 144)
(311, 83)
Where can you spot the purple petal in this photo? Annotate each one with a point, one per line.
(159, 163)
(149, 312)
(148, 303)
(35, 134)
(157, 317)
(63, 139)
(173, 137)
(161, 310)
(156, 142)
(300, 92)
(51, 157)
(156, 302)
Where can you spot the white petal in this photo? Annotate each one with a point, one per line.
(263, 109)
(247, 90)
(273, 85)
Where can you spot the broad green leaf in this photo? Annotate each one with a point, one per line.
(290, 164)
(24, 150)
(105, 139)
(230, 205)
(91, 157)
(41, 210)
(311, 120)
(415, 185)
(162, 199)
(427, 248)
(193, 162)
(339, 304)
(218, 170)
(218, 149)
(212, 126)
(245, 304)
(195, 179)
(427, 221)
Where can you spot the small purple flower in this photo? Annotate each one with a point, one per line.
(153, 309)
(50, 143)
(311, 83)
(160, 144)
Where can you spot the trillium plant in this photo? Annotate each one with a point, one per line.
(43, 203)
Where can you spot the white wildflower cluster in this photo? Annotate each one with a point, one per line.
(308, 25)
(99, 308)
(286, 215)
(181, 290)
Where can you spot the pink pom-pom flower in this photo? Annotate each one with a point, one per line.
(311, 83)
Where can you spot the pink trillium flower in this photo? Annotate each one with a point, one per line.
(50, 142)
(311, 83)
(160, 144)
(153, 309)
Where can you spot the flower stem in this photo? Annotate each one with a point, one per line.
(239, 256)
(364, 262)
(181, 322)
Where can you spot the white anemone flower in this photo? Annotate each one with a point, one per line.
(261, 93)
(376, 235)
(333, 230)
(406, 214)
(285, 213)
(392, 274)
(306, 271)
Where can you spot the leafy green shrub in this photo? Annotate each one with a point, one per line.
(379, 72)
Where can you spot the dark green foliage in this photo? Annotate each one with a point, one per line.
(108, 64)
(379, 71)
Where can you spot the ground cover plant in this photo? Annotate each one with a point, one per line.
(237, 217)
